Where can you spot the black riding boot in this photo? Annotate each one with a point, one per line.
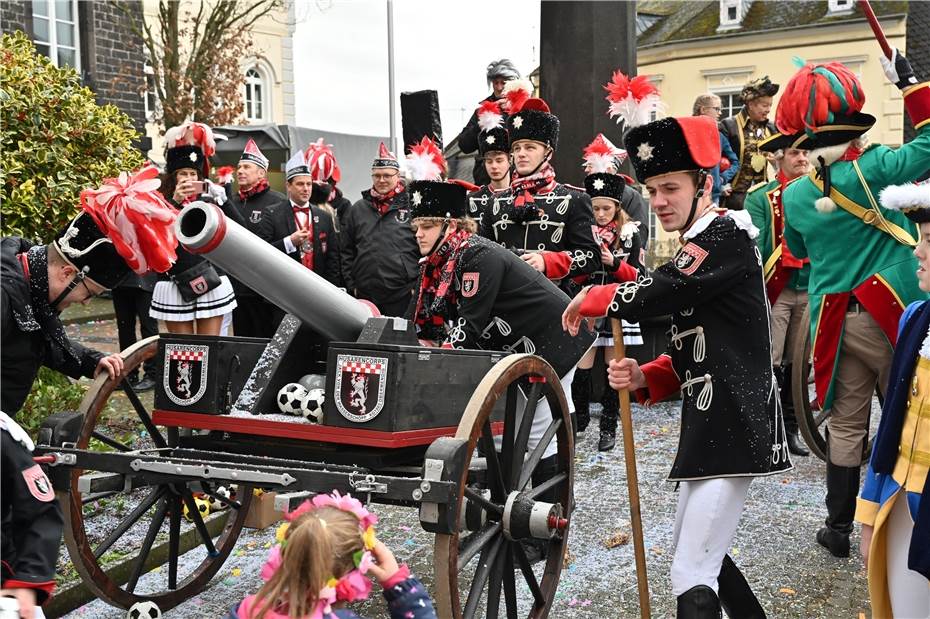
(610, 400)
(842, 489)
(581, 398)
(736, 595)
(698, 602)
(795, 444)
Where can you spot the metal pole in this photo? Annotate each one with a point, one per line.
(392, 112)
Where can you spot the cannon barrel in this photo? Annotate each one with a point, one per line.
(203, 229)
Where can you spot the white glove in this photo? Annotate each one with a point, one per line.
(898, 70)
(16, 431)
(217, 192)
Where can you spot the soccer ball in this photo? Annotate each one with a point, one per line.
(203, 506)
(290, 397)
(216, 504)
(312, 406)
(312, 381)
(146, 609)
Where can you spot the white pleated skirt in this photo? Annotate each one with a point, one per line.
(168, 305)
(632, 336)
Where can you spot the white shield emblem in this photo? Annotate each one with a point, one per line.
(360, 385)
(185, 375)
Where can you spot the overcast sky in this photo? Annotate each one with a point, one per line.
(341, 58)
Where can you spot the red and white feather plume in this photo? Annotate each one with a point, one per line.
(516, 93)
(490, 116)
(322, 162)
(601, 153)
(425, 161)
(224, 174)
(132, 213)
(632, 100)
(193, 134)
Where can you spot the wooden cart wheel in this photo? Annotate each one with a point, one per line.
(812, 424)
(474, 564)
(152, 526)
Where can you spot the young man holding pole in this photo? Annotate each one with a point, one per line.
(731, 430)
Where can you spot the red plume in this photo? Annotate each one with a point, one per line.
(632, 100)
(490, 116)
(815, 94)
(136, 218)
(425, 161)
(516, 92)
(224, 174)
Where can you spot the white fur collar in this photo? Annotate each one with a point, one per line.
(925, 348)
(741, 218)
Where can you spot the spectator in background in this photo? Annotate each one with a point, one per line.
(325, 169)
(132, 299)
(745, 131)
(499, 73)
(379, 252)
(709, 105)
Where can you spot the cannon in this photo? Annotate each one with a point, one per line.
(440, 430)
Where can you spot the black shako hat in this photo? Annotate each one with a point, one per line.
(437, 199)
(604, 185)
(184, 156)
(534, 121)
(89, 250)
(673, 145)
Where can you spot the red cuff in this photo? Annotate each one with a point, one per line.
(402, 574)
(661, 380)
(626, 273)
(917, 104)
(46, 587)
(597, 301)
(557, 264)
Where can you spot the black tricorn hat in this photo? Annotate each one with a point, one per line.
(841, 130)
(184, 156)
(534, 121)
(604, 185)
(83, 245)
(673, 145)
(437, 199)
(759, 87)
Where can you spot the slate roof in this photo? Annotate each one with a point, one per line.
(680, 21)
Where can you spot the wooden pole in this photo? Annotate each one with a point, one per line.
(876, 27)
(632, 482)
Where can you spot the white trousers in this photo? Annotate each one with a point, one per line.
(908, 590)
(543, 417)
(705, 523)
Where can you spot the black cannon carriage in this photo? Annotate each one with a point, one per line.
(445, 431)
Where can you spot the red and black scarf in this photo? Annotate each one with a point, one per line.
(254, 190)
(437, 272)
(607, 235)
(382, 203)
(525, 190)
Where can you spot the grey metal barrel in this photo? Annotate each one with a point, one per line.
(203, 229)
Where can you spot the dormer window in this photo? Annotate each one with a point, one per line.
(840, 7)
(732, 13)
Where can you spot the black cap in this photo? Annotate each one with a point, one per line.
(494, 140)
(184, 156)
(534, 121)
(83, 245)
(437, 199)
(604, 185)
(673, 145)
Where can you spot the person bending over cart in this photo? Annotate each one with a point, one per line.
(39, 281)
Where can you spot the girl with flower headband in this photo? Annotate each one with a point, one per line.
(325, 549)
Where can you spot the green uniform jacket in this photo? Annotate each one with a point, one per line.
(850, 256)
(763, 202)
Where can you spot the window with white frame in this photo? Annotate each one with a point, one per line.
(732, 13)
(256, 96)
(55, 31)
(730, 103)
(150, 98)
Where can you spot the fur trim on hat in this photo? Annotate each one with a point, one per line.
(905, 197)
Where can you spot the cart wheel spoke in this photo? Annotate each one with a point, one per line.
(510, 586)
(112, 442)
(495, 581)
(129, 520)
(528, 574)
(174, 540)
(510, 428)
(495, 476)
(476, 542)
(821, 418)
(523, 435)
(536, 455)
(483, 502)
(487, 561)
(154, 526)
(198, 522)
(144, 416)
(546, 485)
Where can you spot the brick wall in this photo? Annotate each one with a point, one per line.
(918, 49)
(16, 15)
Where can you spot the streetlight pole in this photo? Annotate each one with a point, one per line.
(391, 110)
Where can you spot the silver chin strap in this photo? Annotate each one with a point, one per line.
(701, 179)
(77, 279)
(442, 235)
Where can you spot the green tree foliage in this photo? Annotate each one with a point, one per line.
(55, 140)
(51, 393)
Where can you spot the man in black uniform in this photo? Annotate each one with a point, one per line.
(299, 227)
(253, 314)
(38, 282)
(499, 73)
(549, 223)
(719, 358)
(494, 151)
(379, 254)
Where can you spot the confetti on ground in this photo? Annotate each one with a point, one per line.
(619, 538)
(236, 571)
(787, 591)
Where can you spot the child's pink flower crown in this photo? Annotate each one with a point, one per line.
(353, 585)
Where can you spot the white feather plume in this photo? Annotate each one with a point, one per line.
(906, 197)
